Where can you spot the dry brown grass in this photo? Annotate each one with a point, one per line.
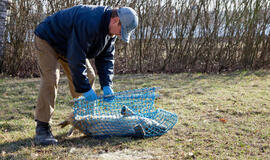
(224, 116)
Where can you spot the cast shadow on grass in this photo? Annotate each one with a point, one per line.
(77, 142)
(11, 147)
(86, 141)
(245, 73)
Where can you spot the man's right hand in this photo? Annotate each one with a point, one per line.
(90, 95)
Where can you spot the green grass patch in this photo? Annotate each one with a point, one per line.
(221, 116)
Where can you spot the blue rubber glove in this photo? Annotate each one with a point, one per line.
(107, 91)
(90, 95)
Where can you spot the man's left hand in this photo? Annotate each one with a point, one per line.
(108, 91)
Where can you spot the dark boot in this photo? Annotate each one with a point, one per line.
(43, 134)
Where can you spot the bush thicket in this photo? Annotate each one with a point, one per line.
(172, 36)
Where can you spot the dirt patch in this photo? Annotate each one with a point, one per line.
(125, 154)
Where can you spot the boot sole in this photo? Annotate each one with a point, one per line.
(39, 142)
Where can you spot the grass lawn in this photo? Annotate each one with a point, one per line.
(224, 116)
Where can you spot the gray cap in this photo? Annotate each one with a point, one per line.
(129, 21)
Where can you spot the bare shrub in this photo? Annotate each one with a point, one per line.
(172, 36)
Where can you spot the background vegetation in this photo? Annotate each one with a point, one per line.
(173, 36)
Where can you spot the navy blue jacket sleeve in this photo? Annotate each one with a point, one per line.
(105, 64)
(77, 60)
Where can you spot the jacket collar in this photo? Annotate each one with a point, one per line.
(104, 26)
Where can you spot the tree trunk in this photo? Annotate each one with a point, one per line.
(3, 14)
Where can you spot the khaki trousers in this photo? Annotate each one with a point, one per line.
(49, 66)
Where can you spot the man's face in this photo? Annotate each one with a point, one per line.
(115, 27)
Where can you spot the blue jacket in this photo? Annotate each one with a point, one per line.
(78, 33)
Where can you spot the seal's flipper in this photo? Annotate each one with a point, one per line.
(139, 131)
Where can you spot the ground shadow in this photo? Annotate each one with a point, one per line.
(78, 142)
(16, 145)
(86, 141)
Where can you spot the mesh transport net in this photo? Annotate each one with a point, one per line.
(126, 113)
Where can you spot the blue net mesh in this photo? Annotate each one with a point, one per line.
(126, 113)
